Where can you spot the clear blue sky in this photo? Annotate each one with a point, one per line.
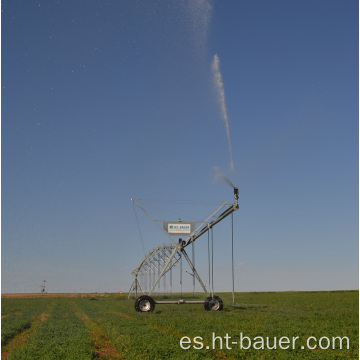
(103, 101)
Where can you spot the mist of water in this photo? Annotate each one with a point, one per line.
(200, 13)
(220, 175)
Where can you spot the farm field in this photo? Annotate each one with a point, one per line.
(107, 326)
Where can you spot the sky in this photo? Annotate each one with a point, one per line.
(104, 101)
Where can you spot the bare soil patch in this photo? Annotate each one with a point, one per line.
(37, 295)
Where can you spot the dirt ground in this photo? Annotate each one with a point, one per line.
(35, 295)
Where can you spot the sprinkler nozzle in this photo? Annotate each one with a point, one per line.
(236, 193)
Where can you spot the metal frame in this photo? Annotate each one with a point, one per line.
(171, 253)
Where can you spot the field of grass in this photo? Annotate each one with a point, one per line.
(108, 327)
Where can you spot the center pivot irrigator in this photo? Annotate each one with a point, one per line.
(161, 260)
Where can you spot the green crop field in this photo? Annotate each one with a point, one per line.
(289, 325)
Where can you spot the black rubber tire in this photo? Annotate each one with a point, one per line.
(213, 304)
(144, 303)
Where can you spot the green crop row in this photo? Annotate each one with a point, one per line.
(61, 336)
(157, 335)
(133, 338)
(18, 315)
(66, 333)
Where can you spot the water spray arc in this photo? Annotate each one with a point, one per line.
(219, 86)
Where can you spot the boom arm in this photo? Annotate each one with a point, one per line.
(222, 216)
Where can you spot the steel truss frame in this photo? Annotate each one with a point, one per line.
(163, 258)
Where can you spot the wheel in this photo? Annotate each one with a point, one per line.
(213, 304)
(144, 303)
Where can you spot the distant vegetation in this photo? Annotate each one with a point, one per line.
(79, 328)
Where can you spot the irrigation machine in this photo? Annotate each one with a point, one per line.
(164, 258)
